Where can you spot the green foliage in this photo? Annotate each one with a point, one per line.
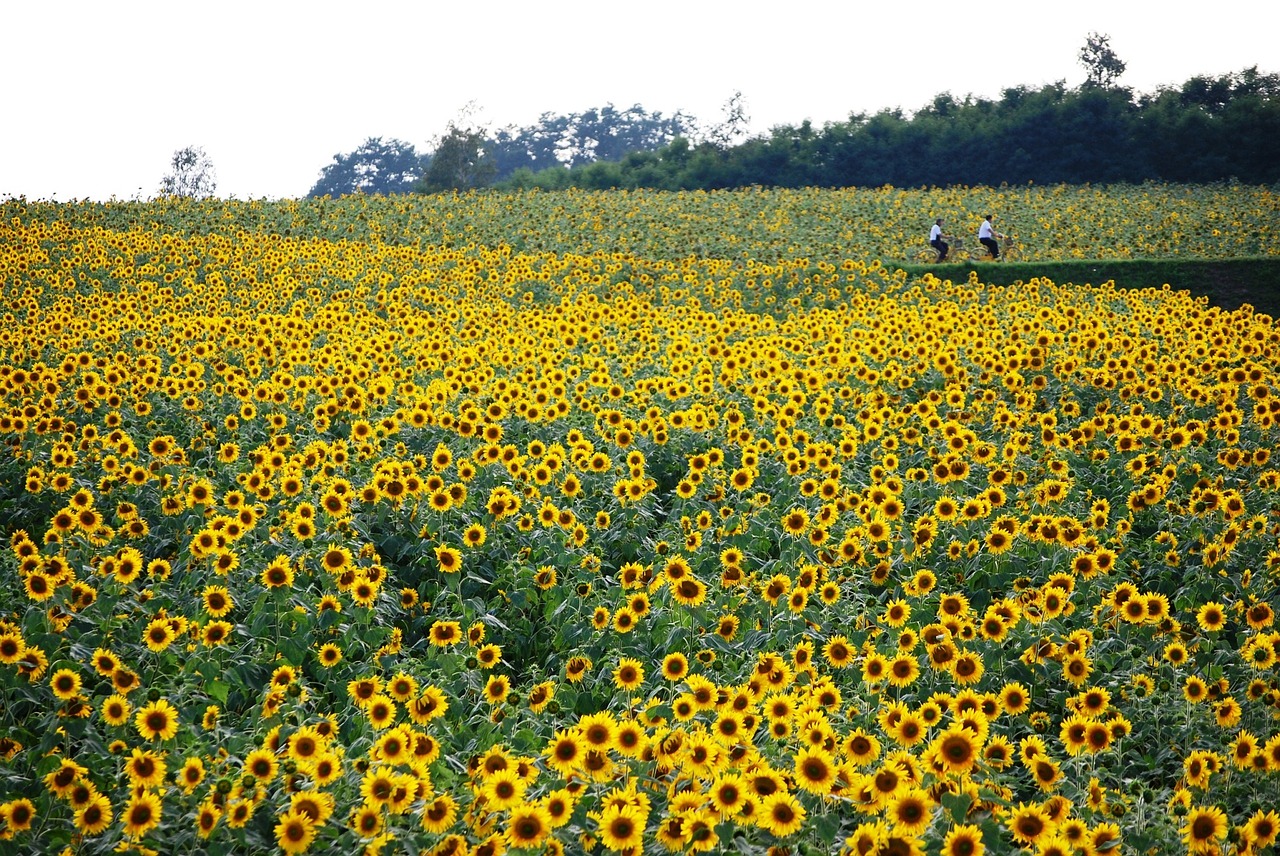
(1101, 64)
(191, 174)
(1210, 129)
(377, 166)
(578, 139)
(459, 162)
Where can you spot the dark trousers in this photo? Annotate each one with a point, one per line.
(942, 247)
(992, 246)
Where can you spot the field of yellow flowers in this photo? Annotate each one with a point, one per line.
(634, 524)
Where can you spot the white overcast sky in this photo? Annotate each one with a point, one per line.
(98, 95)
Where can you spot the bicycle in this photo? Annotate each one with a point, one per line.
(1009, 250)
(957, 254)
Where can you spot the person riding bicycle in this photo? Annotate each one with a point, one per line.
(987, 236)
(938, 241)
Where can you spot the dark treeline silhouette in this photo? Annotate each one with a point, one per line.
(1208, 129)
(465, 157)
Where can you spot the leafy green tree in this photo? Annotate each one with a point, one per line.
(1102, 65)
(377, 166)
(576, 139)
(733, 124)
(191, 174)
(459, 162)
(1209, 129)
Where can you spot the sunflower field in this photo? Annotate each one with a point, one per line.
(633, 524)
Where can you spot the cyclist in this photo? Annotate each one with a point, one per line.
(987, 236)
(939, 241)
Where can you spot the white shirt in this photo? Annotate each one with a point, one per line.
(935, 233)
(985, 230)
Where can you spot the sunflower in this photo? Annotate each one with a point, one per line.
(216, 633)
(261, 764)
(598, 730)
(278, 573)
(1204, 830)
(12, 647)
(781, 814)
(558, 807)
(624, 620)
(1030, 824)
(729, 794)
(967, 668)
(903, 670)
(675, 666)
(65, 683)
(630, 739)
(445, 633)
(910, 811)
(1260, 616)
(366, 821)
(1014, 698)
(1262, 829)
(497, 688)
(141, 814)
(965, 840)
(394, 746)
(94, 816)
(439, 814)
(795, 522)
(815, 770)
(629, 674)
(528, 826)
(378, 786)
(303, 528)
(217, 601)
(621, 827)
(565, 752)
(861, 748)
(381, 711)
(689, 591)
(115, 710)
(157, 720)
(65, 778)
(838, 652)
(329, 655)
(1098, 737)
(190, 775)
(326, 768)
(1074, 734)
(1211, 617)
(207, 817)
(295, 831)
(541, 695)
(1076, 668)
(474, 536)
(957, 749)
(448, 559)
(145, 768)
(504, 789)
(1046, 772)
(923, 582)
(158, 634)
(909, 729)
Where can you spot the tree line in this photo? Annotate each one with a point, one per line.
(1210, 128)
